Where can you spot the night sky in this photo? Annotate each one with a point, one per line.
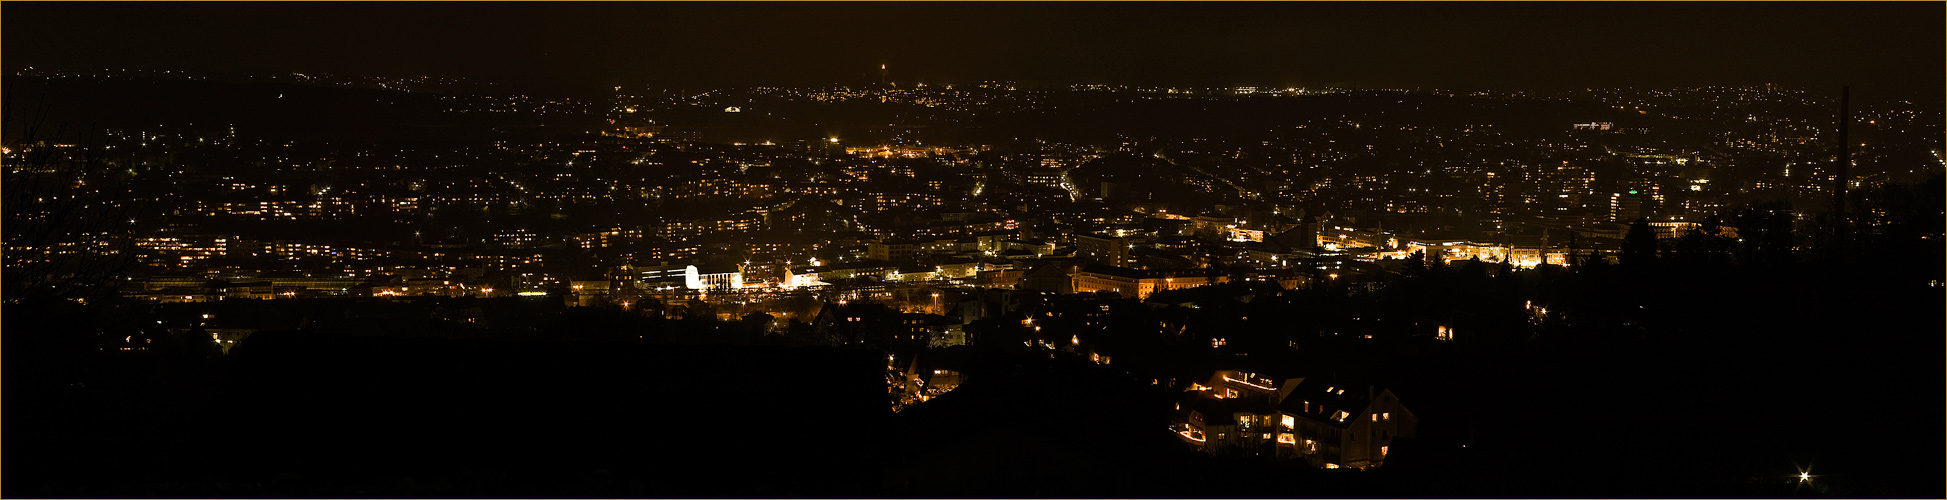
(1884, 49)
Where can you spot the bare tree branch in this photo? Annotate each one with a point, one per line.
(67, 231)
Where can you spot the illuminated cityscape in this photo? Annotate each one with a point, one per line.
(1117, 250)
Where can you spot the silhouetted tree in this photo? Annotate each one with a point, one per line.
(65, 237)
(758, 322)
(1639, 246)
(1700, 247)
(1473, 274)
(1594, 262)
(1416, 264)
(1764, 233)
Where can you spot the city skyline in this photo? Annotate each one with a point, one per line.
(972, 250)
(1885, 50)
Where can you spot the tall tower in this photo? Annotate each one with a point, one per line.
(882, 75)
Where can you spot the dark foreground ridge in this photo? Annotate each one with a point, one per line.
(311, 415)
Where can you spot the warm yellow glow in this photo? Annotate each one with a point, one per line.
(1268, 388)
(1290, 422)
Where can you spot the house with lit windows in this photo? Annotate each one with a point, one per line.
(1341, 424)
(1329, 424)
(1222, 426)
(1233, 412)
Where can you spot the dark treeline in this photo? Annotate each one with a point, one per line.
(300, 414)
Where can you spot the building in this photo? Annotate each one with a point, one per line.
(1103, 249)
(897, 251)
(1102, 278)
(803, 276)
(664, 277)
(1057, 277)
(1326, 423)
(717, 277)
(1341, 425)
(1176, 279)
(588, 292)
(1629, 206)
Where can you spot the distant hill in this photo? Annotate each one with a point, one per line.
(266, 111)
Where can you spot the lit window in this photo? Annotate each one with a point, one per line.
(1386, 416)
(1290, 422)
(1382, 451)
(1287, 438)
(1375, 417)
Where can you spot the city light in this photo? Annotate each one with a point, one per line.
(366, 219)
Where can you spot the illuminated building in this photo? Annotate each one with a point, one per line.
(1328, 424)
(1103, 249)
(1347, 426)
(717, 277)
(891, 251)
